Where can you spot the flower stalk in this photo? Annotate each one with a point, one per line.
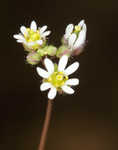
(46, 125)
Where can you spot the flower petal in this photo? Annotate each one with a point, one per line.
(23, 30)
(52, 93)
(33, 26)
(49, 65)
(18, 36)
(71, 82)
(41, 72)
(66, 36)
(67, 89)
(46, 33)
(68, 31)
(82, 37)
(45, 86)
(72, 68)
(31, 43)
(42, 29)
(62, 63)
(72, 39)
(81, 23)
(69, 28)
(20, 41)
(40, 42)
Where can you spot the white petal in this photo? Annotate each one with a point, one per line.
(49, 65)
(33, 26)
(62, 63)
(42, 72)
(67, 35)
(84, 27)
(40, 42)
(31, 43)
(23, 30)
(20, 41)
(81, 23)
(69, 28)
(18, 37)
(45, 86)
(72, 82)
(45, 33)
(82, 37)
(67, 89)
(72, 68)
(72, 39)
(42, 29)
(52, 93)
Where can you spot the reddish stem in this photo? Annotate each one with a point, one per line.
(46, 125)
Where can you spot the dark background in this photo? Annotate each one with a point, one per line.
(86, 120)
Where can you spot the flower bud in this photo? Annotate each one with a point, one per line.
(75, 37)
(63, 50)
(33, 58)
(47, 50)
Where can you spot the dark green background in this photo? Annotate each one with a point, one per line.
(86, 120)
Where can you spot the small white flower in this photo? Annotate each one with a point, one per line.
(32, 37)
(75, 36)
(56, 78)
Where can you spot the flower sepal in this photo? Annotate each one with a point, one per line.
(63, 50)
(27, 48)
(78, 51)
(33, 58)
(47, 50)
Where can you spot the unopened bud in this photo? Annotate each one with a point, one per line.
(47, 50)
(33, 58)
(63, 50)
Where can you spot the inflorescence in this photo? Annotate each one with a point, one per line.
(56, 78)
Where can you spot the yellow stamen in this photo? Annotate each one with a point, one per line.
(32, 36)
(57, 79)
(77, 28)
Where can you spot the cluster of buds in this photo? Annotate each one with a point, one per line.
(34, 41)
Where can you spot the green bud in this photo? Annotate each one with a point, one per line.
(41, 52)
(51, 50)
(63, 50)
(47, 50)
(33, 58)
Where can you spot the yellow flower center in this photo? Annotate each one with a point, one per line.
(57, 79)
(77, 29)
(32, 36)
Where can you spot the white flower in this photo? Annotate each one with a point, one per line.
(32, 37)
(75, 36)
(56, 78)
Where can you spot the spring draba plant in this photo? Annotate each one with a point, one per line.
(56, 76)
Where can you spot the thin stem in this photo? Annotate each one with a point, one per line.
(46, 125)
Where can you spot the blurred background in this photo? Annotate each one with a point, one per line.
(87, 120)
